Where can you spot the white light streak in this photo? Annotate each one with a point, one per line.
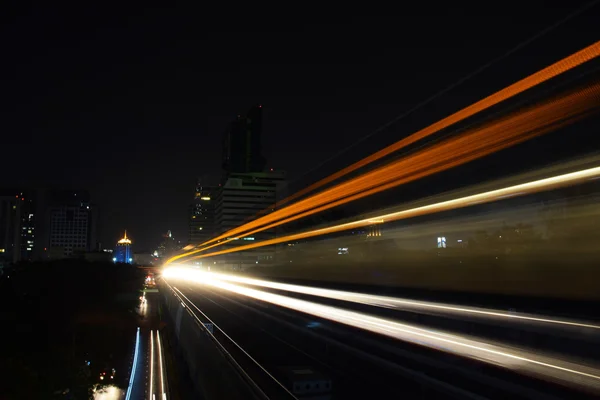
(393, 302)
(160, 364)
(151, 387)
(539, 185)
(516, 359)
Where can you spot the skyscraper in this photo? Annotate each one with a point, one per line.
(242, 143)
(168, 247)
(10, 227)
(241, 198)
(29, 211)
(123, 252)
(202, 214)
(71, 224)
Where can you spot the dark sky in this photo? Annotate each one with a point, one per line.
(131, 103)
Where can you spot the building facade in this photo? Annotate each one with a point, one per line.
(123, 252)
(29, 248)
(71, 224)
(242, 143)
(242, 198)
(202, 215)
(10, 229)
(168, 246)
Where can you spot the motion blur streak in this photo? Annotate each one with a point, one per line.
(523, 361)
(390, 302)
(485, 197)
(151, 386)
(160, 367)
(134, 367)
(516, 88)
(468, 146)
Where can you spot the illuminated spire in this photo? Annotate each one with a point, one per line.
(125, 239)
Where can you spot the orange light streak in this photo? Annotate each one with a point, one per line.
(516, 88)
(481, 198)
(470, 145)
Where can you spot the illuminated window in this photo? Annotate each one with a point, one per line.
(441, 242)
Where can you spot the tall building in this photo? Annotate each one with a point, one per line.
(242, 143)
(123, 252)
(28, 226)
(10, 229)
(168, 247)
(202, 215)
(241, 198)
(71, 224)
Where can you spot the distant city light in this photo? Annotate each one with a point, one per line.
(441, 242)
(204, 198)
(114, 259)
(125, 240)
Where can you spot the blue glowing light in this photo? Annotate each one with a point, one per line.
(135, 356)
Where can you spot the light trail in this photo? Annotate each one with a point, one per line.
(470, 145)
(151, 386)
(133, 368)
(386, 301)
(480, 198)
(516, 88)
(541, 76)
(230, 339)
(523, 361)
(160, 364)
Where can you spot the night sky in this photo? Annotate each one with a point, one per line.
(132, 103)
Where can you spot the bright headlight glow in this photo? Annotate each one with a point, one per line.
(387, 301)
(508, 357)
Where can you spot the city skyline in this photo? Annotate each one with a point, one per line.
(369, 203)
(152, 131)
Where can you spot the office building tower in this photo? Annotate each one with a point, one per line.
(240, 199)
(242, 143)
(71, 224)
(123, 252)
(28, 226)
(202, 215)
(10, 229)
(168, 246)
